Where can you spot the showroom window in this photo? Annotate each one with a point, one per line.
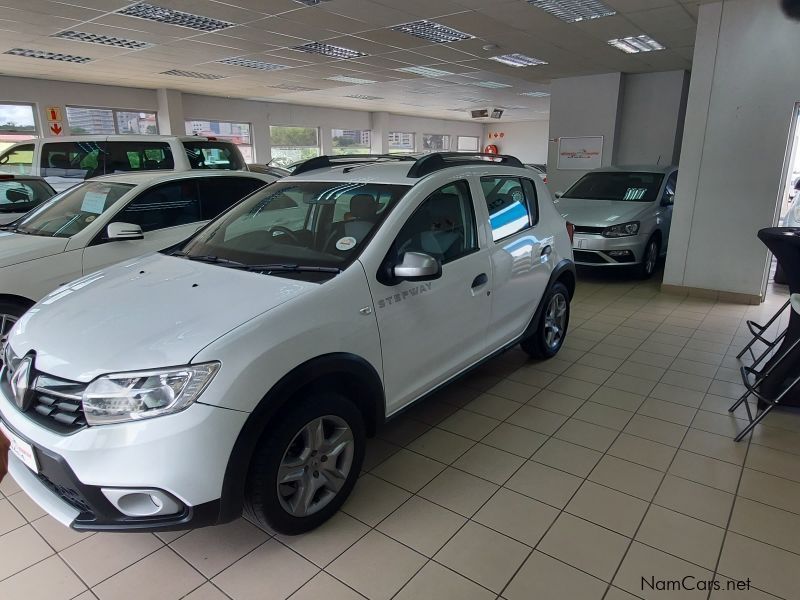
(435, 142)
(17, 124)
(237, 133)
(85, 120)
(468, 143)
(401, 142)
(351, 141)
(291, 144)
(511, 203)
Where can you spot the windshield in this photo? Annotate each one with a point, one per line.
(18, 196)
(298, 223)
(73, 210)
(617, 185)
(214, 155)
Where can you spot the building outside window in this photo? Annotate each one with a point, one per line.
(468, 143)
(291, 144)
(401, 142)
(237, 133)
(435, 142)
(109, 121)
(351, 141)
(17, 124)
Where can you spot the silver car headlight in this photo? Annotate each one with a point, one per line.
(121, 397)
(623, 230)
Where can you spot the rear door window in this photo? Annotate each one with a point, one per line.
(512, 204)
(205, 154)
(73, 160)
(138, 156)
(18, 160)
(218, 194)
(166, 205)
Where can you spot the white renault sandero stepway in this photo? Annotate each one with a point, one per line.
(245, 367)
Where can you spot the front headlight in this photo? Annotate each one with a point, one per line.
(623, 230)
(138, 395)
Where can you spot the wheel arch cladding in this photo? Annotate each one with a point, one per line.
(350, 375)
(14, 299)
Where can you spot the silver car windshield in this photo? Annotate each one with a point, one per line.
(297, 223)
(617, 185)
(73, 210)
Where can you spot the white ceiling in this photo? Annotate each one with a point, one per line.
(266, 30)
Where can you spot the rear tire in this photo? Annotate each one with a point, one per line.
(306, 464)
(650, 258)
(551, 331)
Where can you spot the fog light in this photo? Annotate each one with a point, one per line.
(621, 255)
(142, 503)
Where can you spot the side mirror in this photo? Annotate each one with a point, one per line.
(417, 266)
(668, 200)
(18, 196)
(558, 194)
(124, 231)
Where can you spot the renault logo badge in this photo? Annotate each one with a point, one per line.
(21, 385)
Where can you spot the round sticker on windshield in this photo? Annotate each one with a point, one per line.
(90, 218)
(346, 243)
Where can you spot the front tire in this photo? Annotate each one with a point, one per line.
(305, 467)
(650, 258)
(551, 330)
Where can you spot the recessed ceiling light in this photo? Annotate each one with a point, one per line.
(252, 64)
(461, 110)
(293, 88)
(346, 79)
(160, 14)
(635, 44)
(518, 60)
(514, 107)
(193, 74)
(424, 71)
(27, 53)
(433, 32)
(105, 40)
(473, 100)
(535, 94)
(572, 11)
(328, 50)
(491, 84)
(364, 97)
(311, 2)
(423, 92)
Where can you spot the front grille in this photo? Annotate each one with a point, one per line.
(72, 497)
(587, 229)
(588, 257)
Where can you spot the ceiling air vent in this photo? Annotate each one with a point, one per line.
(48, 55)
(161, 14)
(194, 74)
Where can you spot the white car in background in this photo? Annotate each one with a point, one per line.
(104, 221)
(66, 161)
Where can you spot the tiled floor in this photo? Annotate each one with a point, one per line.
(569, 479)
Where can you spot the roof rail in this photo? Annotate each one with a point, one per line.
(430, 163)
(324, 161)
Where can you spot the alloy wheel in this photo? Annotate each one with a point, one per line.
(315, 466)
(6, 323)
(555, 321)
(651, 257)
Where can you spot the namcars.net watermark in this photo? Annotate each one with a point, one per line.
(691, 583)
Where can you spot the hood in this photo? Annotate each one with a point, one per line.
(155, 311)
(17, 247)
(601, 213)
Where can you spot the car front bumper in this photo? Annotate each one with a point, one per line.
(594, 250)
(181, 458)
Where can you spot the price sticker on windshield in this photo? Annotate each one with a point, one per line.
(94, 202)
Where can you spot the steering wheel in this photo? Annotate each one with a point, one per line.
(280, 229)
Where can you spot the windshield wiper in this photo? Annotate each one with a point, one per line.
(295, 268)
(213, 260)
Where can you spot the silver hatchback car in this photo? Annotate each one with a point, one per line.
(621, 215)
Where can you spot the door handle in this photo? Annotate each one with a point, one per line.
(480, 280)
(547, 251)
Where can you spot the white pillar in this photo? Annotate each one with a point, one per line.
(170, 112)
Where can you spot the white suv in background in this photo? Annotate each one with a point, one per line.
(244, 367)
(66, 161)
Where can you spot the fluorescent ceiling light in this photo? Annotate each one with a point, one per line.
(293, 88)
(518, 60)
(424, 92)
(105, 40)
(491, 84)
(160, 14)
(346, 79)
(472, 100)
(27, 53)
(433, 32)
(193, 74)
(636, 44)
(363, 97)
(252, 64)
(424, 71)
(311, 2)
(515, 107)
(535, 94)
(328, 50)
(572, 11)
